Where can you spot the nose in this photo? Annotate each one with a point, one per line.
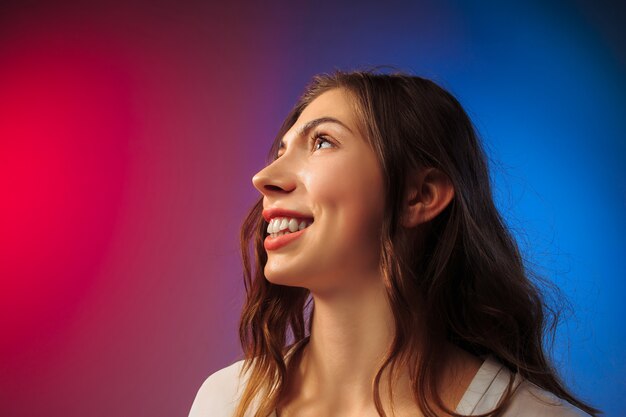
(274, 178)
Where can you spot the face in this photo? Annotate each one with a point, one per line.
(328, 173)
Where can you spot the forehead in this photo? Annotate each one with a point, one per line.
(336, 103)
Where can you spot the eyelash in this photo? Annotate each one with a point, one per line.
(314, 140)
(322, 137)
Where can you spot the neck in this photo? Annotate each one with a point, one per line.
(350, 335)
(347, 340)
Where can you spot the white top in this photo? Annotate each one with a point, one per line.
(219, 394)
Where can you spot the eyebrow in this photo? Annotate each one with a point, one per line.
(314, 123)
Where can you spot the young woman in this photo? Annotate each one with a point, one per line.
(382, 280)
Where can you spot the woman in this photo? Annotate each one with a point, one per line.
(383, 281)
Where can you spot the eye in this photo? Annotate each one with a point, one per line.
(320, 139)
(317, 140)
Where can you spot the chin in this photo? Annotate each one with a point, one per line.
(283, 277)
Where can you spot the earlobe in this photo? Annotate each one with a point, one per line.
(429, 193)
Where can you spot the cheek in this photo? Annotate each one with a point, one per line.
(362, 213)
(351, 200)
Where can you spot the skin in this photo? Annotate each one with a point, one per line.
(340, 184)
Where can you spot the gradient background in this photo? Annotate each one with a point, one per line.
(129, 135)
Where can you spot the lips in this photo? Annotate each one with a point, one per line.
(270, 213)
(274, 243)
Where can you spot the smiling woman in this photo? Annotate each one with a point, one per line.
(384, 281)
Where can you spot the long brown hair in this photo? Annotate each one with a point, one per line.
(467, 282)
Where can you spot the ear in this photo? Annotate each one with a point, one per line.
(428, 193)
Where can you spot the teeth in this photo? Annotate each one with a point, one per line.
(274, 225)
(279, 226)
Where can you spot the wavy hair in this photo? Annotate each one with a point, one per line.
(466, 278)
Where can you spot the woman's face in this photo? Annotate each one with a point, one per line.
(328, 173)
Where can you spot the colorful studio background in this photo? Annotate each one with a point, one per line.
(129, 133)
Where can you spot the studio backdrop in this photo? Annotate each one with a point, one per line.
(130, 131)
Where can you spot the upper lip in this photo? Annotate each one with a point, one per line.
(270, 213)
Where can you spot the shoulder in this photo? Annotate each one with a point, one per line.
(219, 393)
(491, 383)
(531, 400)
